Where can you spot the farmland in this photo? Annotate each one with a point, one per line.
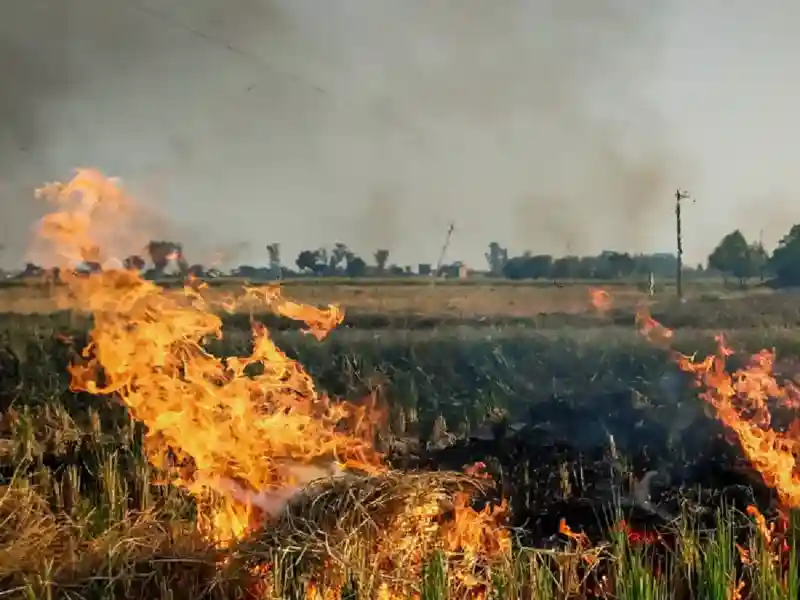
(620, 481)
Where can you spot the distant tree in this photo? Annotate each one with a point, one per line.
(758, 259)
(32, 270)
(662, 265)
(274, 251)
(785, 261)
(314, 261)
(496, 257)
(618, 264)
(567, 267)
(396, 270)
(528, 266)
(381, 258)
(339, 256)
(250, 272)
(134, 262)
(356, 266)
(540, 265)
(732, 257)
(588, 267)
(163, 252)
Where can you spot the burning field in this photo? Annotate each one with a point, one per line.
(158, 445)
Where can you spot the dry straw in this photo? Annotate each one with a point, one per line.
(379, 533)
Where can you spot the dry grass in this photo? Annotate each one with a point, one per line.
(384, 528)
(479, 300)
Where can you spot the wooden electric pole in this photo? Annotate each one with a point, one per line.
(446, 244)
(679, 196)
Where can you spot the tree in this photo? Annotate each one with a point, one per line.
(758, 257)
(339, 255)
(618, 265)
(314, 261)
(381, 258)
(528, 266)
(785, 261)
(32, 270)
(567, 267)
(356, 266)
(134, 262)
(274, 251)
(162, 252)
(731, 257)
(496, 257)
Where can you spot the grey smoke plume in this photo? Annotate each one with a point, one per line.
(376, 122)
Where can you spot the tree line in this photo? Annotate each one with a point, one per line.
(733, 258)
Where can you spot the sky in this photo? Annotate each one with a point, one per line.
(555, 126)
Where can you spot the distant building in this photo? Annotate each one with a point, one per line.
(456, 270)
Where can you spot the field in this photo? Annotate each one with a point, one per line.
(617, 478)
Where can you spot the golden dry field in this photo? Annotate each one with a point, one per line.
(442, 299)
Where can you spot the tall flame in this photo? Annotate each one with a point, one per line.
(741, 400)
(238, 426)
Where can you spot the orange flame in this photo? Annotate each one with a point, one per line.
(237, 426)
(251, 429)
(474, 532)
(601, 299)
(650, 328)
(580, 538)
(740, 400)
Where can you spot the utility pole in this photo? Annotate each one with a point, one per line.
(679, 196)
(444, 248)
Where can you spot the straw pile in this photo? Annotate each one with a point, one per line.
(378, 533)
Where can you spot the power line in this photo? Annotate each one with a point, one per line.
(171, 21)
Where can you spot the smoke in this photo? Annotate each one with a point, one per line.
(374, 122)
(527, 121)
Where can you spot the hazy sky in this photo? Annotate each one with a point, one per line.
(549, 125)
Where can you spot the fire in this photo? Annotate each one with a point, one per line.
(601, 299)
(474, 532)
(238, 426)
(243, 434)
(741, 401)
(650, 328)
(637, 537)
(581, 538)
